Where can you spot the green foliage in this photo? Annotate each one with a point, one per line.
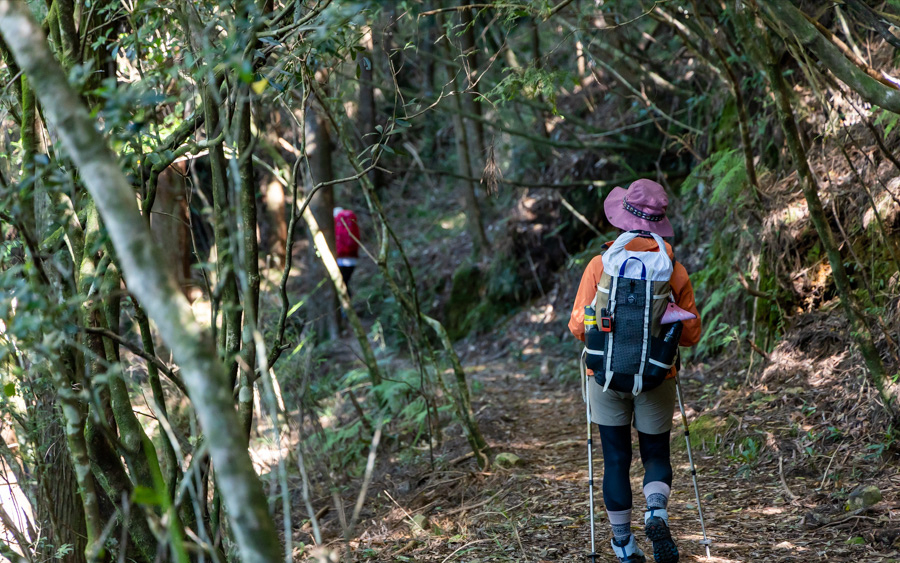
(531, 83)
(725, 173)
(888, 120)
(888, 443)
(747, 454)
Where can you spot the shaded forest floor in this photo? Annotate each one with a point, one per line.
(777, 452)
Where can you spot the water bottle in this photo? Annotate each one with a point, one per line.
(664, 350)
(590, 318)
(594, 340)
(673, 334)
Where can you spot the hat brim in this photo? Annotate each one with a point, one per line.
(622, 219)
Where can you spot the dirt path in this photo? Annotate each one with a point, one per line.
(528, 403)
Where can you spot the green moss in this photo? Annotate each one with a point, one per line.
(480, 300)
(466, 291)
(708, 431)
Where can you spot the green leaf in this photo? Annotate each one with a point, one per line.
(856, 541)
(9, 389)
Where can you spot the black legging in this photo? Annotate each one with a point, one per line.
(616, 443)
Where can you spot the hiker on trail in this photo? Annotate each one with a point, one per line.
(346, 242)
(640, 211)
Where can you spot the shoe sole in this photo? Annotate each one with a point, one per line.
(664, 548)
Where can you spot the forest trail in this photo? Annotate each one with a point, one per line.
(528, 402)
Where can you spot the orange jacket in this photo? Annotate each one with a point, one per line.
(681, 290)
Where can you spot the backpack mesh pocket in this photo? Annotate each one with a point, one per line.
(628, 326)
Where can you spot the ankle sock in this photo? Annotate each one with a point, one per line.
(620, 520)
(657, 494)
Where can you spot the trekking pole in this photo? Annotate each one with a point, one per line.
(585, 391)
(687, 438)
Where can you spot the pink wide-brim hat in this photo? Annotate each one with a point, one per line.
(641, 207)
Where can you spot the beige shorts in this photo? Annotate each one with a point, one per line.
(650, 412)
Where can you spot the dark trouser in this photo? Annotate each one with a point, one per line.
(616, 444)
(346, 273)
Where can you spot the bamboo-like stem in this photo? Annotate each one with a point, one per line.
(795, 26)
(250, 256)
(157, 290)
(159, 397)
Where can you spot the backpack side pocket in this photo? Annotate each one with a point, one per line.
(595, 345)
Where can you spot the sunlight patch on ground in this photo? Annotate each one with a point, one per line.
(453, 222)
(789, 545)
(542, 315)
(544, 402)
(770, 510)
(794, 212)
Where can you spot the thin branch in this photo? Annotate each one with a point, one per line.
(137, 351)
(750, 290)
(578, 216)
(556, 9)
(520, 184)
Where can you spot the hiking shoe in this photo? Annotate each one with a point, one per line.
(656, 524)
(630, 552)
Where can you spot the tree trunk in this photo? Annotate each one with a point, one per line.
(169, 222)
(539, 64)
(230, 338)
(194, 350)
(480, 244)
(318, 149)
(366, 114)
(276, 213)
(250, 247)
(471, 100)
(58, 503)
(474, 223)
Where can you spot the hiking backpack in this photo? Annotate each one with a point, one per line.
(626, 345)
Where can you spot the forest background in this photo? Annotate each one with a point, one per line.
(170, 294)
